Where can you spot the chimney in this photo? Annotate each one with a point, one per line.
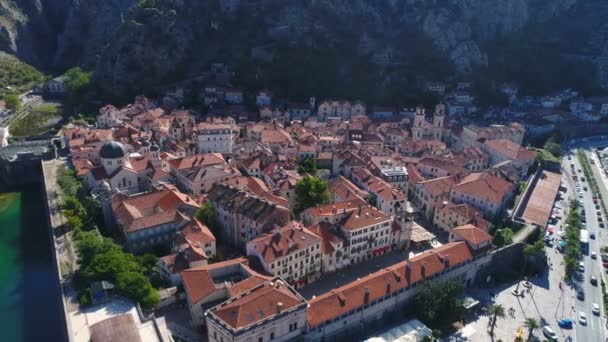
(388, 287)
(279, 307)
(366, 295)
(446, 261)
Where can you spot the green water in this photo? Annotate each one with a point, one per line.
(30, 306)
(10, 222)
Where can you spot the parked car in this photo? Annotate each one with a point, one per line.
(549, 333)
(565, 323)
(581, 266)
(580, 294)
(604, 257)
(593, 280)
(593, 255)
(595, 309)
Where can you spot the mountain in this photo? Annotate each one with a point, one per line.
(134, 45)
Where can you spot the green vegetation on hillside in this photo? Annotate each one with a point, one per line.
(16, 76)
(77, 85)
(36, 122)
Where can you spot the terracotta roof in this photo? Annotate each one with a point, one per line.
(259, 188)
(510, 149)
(328, 236)
(245, 285)
(365, 217)
(197, 232)
(438, 186)
(151, 209)
(484, 186)
(349, 297)
(336, 208)
(472, 234)
(288, 239)
(345, 189)
(197, 160)
(258, 304)
(414, 174)
(442, 163)
(199, 283)
(275, 136)
(378, 186)
(463, 210)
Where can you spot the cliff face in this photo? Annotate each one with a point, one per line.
(55, 34)
(131, 47)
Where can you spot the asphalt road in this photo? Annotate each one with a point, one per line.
(593, 330)
(596, 328)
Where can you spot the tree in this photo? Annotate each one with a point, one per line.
(148, 263)
(439, 302)
(531, 324)
(12, 102)
(496, 311)
(310, 192)
(91, 243)
(76, 85)
(66, 178)
(503, 237)
(72, 206)
(308, 165)
(137, 287)
(207, 215)
(106, 266)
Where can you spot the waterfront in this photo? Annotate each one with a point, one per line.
(30, 302)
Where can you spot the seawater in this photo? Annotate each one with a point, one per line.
(30, 302)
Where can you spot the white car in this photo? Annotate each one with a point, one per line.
(582, 318)
(595, 309)
(593, 255)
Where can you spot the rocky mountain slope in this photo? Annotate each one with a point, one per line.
(133, 45)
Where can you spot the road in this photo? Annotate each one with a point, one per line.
(594, 330)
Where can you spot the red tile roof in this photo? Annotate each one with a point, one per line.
(258, 304)
(286, 240)
(349, 297)
(472, 234)
(151, 209)
(197, 160)
(365, 217)
(485, 187)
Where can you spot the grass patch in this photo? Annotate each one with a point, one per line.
(16, 76)
(47, 108)
(31, 124)
(546, 156)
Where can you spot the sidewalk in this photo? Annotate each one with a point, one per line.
(65, 256)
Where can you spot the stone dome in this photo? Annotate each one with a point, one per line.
(155, 148)
(145, 143)
(113, 150)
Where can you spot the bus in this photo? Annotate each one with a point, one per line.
(584, 239)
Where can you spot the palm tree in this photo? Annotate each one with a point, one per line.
(496, 311)
(531, 324)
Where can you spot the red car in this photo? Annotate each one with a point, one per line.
(605, 264)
